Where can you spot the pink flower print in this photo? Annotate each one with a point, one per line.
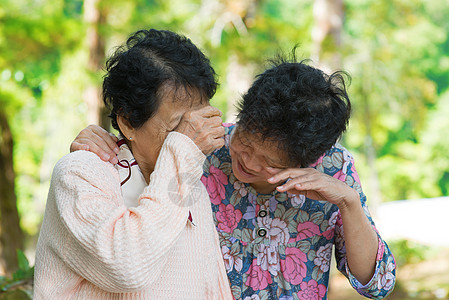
(306, 230)
(231, 261)
(386, 277)
(296, 200)
(277, 230)
(228, 217)
(380, 249)
(258, 279)
(268, 259)
(328, 234)
(340, 175)
(252, 297)
(323, 257)
(311, 291)
(333, 218)
(347, 158)
(214, 184)
(252, 199)
(241, 188)
(293, 267)
(355, 175)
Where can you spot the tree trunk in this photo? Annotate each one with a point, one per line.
(11, 235)
(370, 148)
(328, 16)
(95, 15)
(238, 79)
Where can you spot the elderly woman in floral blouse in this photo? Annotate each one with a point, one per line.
(284, 192)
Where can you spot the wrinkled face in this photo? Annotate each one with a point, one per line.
(147, 140)
(250, 158)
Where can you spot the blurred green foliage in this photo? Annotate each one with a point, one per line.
(19, 286)
(397, 52)
(408, 252)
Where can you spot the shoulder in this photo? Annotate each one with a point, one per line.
(338, 149)
(78, 159)
(84, 164)
(336, 159)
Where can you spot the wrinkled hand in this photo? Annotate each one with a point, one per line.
(95, 139)
(204, 127)
(314, 185)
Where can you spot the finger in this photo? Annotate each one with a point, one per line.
(215, 121)
(285, 174)
(75, 146)
(217, 132)
(93, 147)
(217, 144)
(209, 111)
(291, 184)
(109, 139)
(105, 142)
(113, 160)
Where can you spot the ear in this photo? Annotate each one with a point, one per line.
(125, 127)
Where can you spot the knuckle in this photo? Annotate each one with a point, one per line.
(91, 127)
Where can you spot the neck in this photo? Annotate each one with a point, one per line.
(146, 171)
(144, 167)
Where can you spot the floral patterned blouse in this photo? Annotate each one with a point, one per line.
(279, 245)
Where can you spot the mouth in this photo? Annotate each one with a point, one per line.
(244, 171)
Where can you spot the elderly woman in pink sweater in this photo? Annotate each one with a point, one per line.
(143, 228)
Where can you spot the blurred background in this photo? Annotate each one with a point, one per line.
(397, 51)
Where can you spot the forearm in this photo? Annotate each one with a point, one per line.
(116, 240)
(361, 240)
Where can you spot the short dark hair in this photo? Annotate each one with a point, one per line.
(297, 106)
(148, 60)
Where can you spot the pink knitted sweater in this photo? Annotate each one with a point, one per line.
(91, 246)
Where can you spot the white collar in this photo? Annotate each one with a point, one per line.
(131, 178)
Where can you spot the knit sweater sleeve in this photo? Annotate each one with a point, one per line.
(116, 248)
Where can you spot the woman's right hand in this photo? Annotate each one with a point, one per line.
(204, 127)
(95, 139)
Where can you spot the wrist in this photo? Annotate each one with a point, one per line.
(350, 202)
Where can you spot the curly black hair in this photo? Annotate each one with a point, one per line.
(297, 106)
(137, 71)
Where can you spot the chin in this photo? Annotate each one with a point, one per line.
(242, 179)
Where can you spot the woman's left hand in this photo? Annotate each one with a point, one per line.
(314, 185)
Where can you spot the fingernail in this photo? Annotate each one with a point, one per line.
(116, 150)
(271, 179)
(281, 188)
(114, 160)
(105, 157)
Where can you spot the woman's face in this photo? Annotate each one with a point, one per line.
(250, 158)
(147, 140)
